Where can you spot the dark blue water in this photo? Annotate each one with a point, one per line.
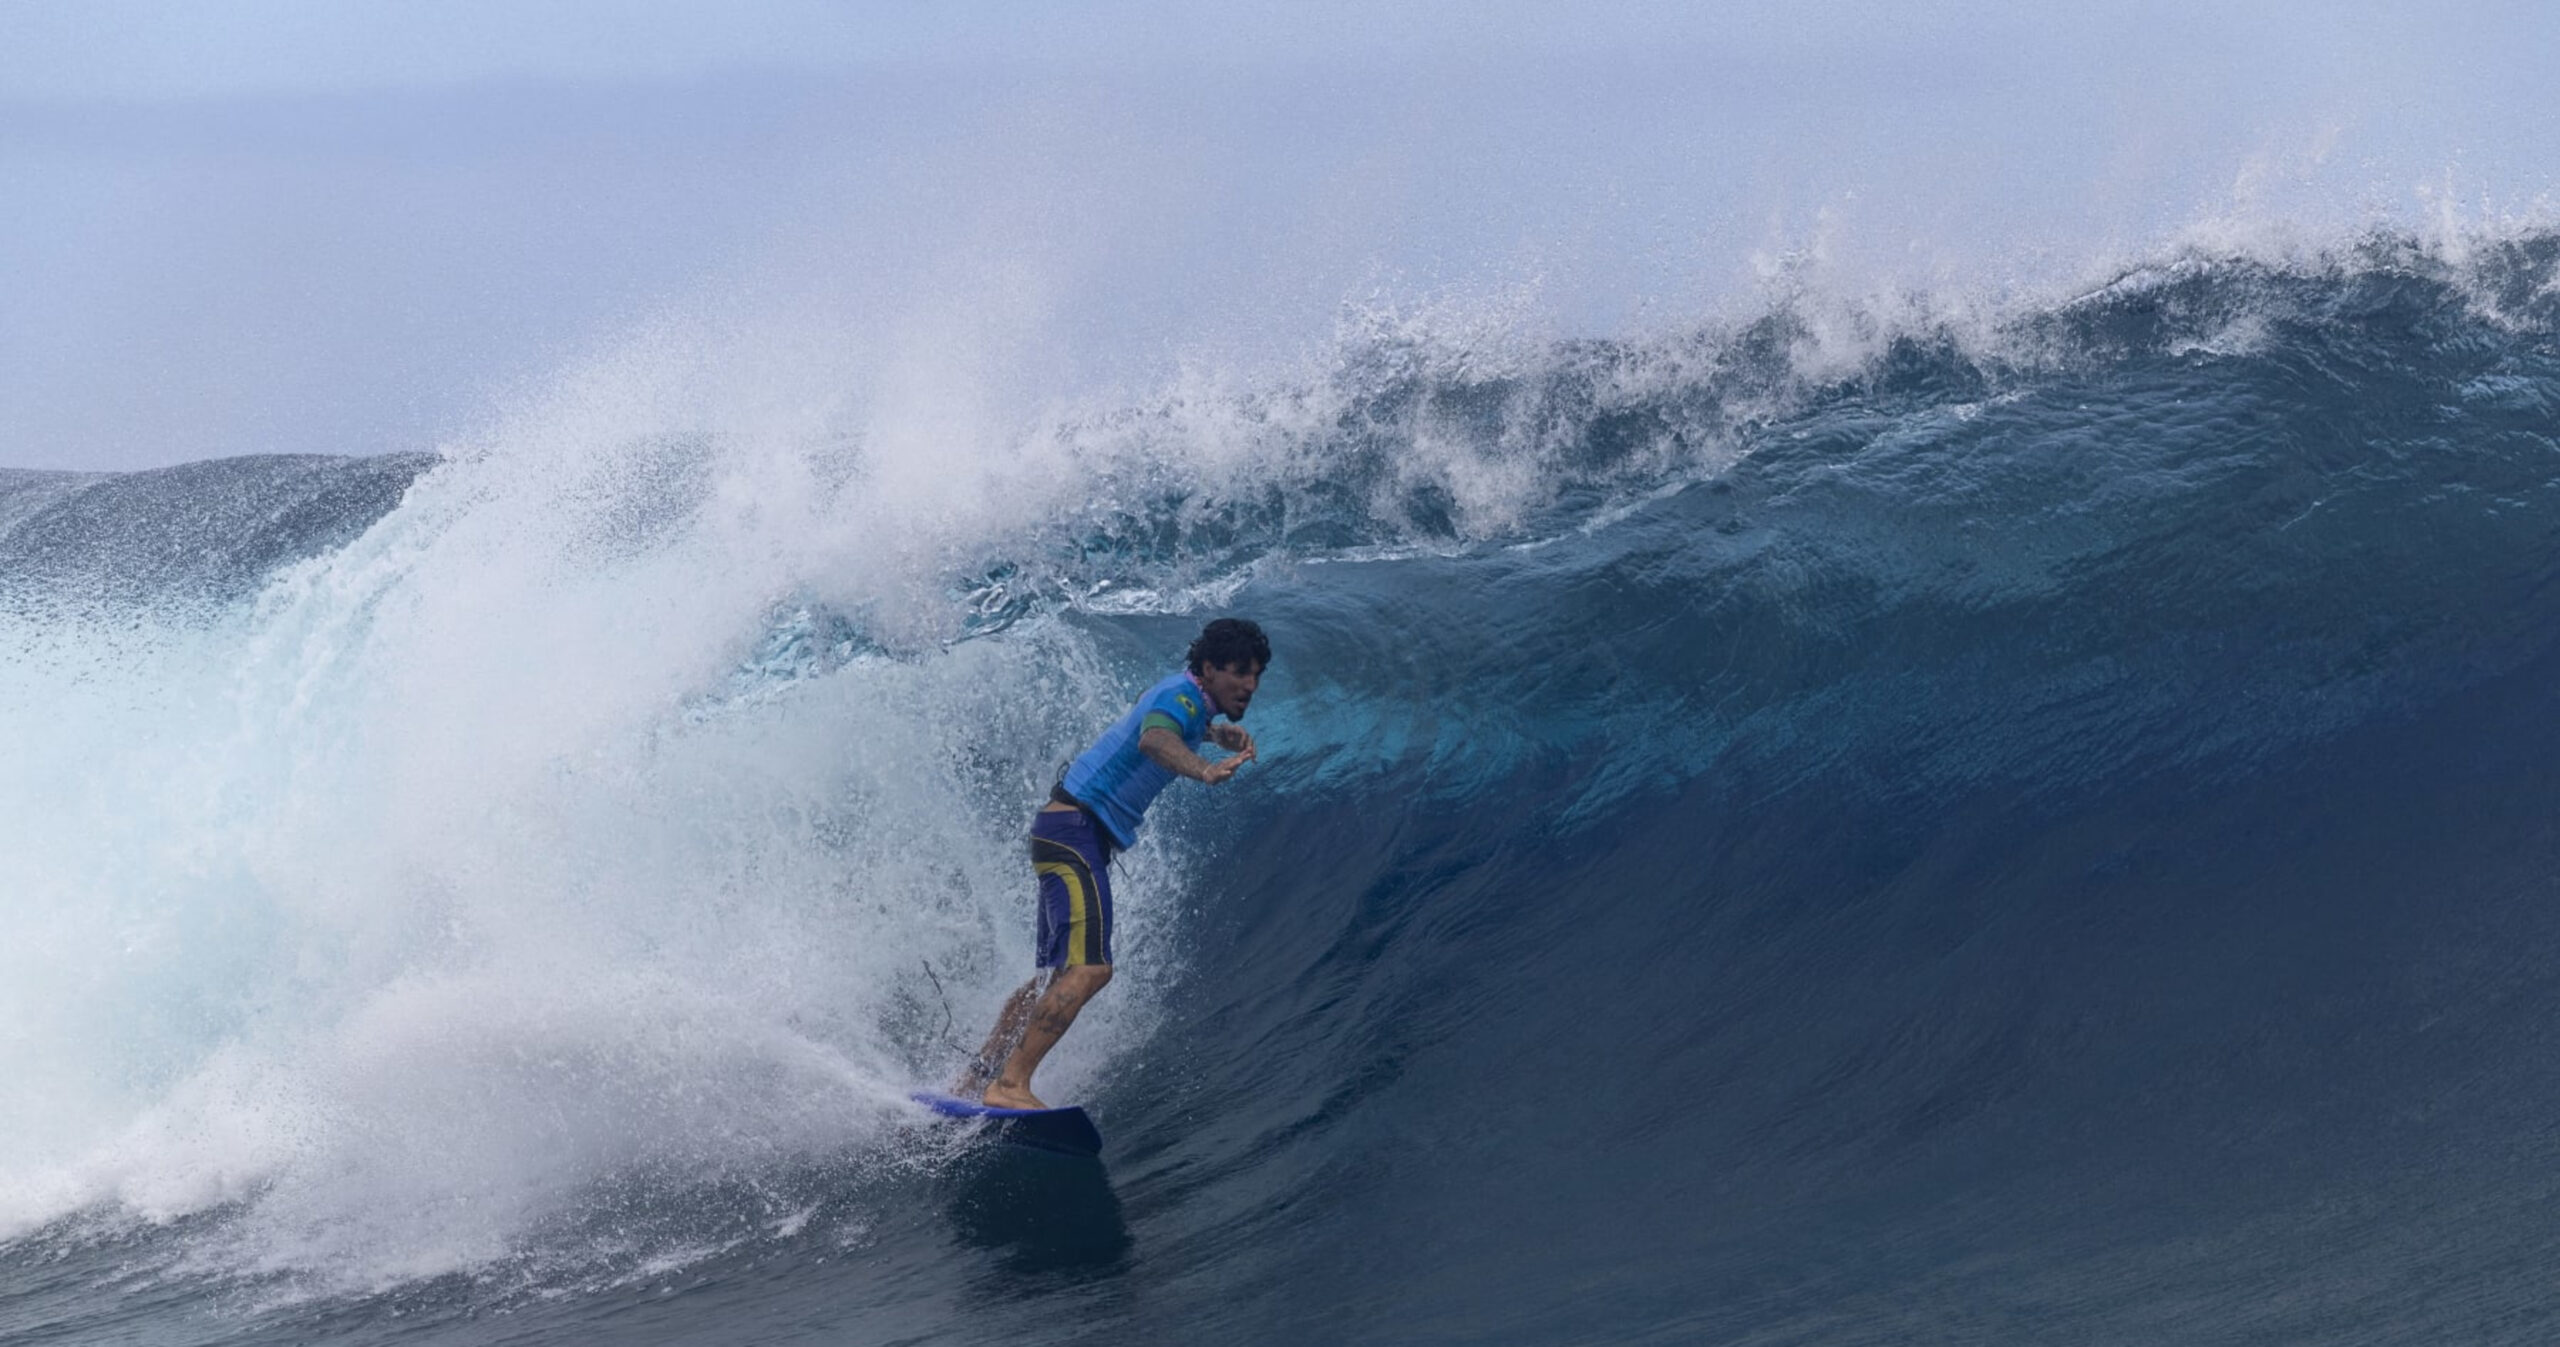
(2039, 837)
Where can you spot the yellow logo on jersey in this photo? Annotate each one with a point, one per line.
(1189, 707)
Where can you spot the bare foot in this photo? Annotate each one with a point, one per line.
(1001, 1095)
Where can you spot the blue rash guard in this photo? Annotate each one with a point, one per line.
(1114, 779)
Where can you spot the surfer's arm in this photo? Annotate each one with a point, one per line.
(1169, 752)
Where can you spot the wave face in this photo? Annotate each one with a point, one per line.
(2036, 831)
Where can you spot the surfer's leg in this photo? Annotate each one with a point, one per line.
(1074, 985)
(1067, 856)
(983, 1069)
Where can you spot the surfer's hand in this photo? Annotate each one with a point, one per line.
(1232, 737)
(1217, 772)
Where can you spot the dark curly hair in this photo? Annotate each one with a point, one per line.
(1230, 641)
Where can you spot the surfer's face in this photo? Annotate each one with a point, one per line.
(1231, 685)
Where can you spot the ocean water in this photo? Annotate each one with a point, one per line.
(1826, 828)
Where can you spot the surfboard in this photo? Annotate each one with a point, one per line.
(1064, 1131)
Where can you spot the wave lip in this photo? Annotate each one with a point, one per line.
(207, 532)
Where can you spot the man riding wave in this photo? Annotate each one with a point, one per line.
(1093, 811)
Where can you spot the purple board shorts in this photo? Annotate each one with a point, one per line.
(1070, 856)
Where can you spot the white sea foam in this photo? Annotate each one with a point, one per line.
(397, 908)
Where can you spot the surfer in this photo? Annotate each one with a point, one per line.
(1092, 812)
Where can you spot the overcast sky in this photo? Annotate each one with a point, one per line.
(270, 226)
